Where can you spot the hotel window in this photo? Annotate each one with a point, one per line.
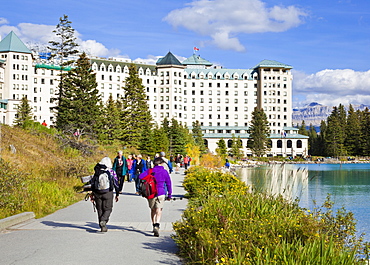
(209, 84)
(245, 93)
(236, 116)
(245, 117)
(226, 93)
(162, 98)
(235, 93)
(227, 100)
(201, 84)
(201, 92)
(201, 116)
(218, 85)
(245, 108)
(227, 85)
(227, 116)
(210, 92)
(193, 116)
(193, 108)
(218, 108)
(185, 116)
(167, 98)
(210, 116)
(227, 109)
(193, 84)
(245, 85)
(209, 100)
(210, 108)
(218, 100)
(236, 85)
(218, 92)
(202, 100)
(201, 108)
(193, 100)
(235, 108)
(167, 106)
(167, 90)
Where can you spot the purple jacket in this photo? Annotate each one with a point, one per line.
(163, 180)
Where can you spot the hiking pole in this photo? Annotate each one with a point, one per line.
(87, 197)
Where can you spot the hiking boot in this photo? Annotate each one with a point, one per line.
(156, 229)
(103, 225)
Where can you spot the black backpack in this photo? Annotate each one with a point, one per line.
(97, 179)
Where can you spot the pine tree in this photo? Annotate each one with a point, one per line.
(177, 138)
(321, 143)
(365, 131)
(80, 107)
(62, 48)
(161, 142)
(111, 122)
(353, 132)
(198, 137)
(259, 132)
(221, 149)
(24, 113)
(235, 150)
(302, 129)
(135, 114)
(146, 145)
(335, 133)
(312, 141)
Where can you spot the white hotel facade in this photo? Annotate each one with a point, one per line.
(222, 100)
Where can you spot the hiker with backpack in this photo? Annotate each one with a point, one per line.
(102, 185)
(163, 185)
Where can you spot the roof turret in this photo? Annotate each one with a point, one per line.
(12, 43)
(196, 60)
(169, 59)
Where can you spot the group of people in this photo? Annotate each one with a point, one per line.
(134, 167)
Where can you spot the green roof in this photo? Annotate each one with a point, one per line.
(272, 63)
(196, 60)
(52, 67)
(169, 59)
(11, 43)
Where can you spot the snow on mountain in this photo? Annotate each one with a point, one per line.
(314, 113)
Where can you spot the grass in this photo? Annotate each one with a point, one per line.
(226, 223)
(41, 175)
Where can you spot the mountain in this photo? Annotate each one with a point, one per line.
(314, 113)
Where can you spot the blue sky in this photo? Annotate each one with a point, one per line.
(326, 42)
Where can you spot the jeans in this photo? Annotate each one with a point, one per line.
(137, 182)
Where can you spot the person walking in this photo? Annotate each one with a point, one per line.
(120, 167)
(102, 186)
(167, 164)
(129, 162)
(164, 187)
(149, 163)
(178, 160)
(186, 161)
(138, 167)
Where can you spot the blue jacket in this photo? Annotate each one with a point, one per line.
(135, 170)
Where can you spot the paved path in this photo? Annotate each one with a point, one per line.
(72, 235)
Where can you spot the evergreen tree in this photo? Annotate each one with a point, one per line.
(135, 114)
(177, 138)
(24, 113)
(80, 107)
(146, 145)
(312, 141)
(335, 133)
(365, 131)
(302, 129)
(321, 143)
(221, 149)
(353, 134)
(62, 48)
(111, 122)
(235, 150)
(198, 137)
(259, 132)
(161, 142)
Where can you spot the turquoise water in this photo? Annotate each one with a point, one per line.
(348, 184)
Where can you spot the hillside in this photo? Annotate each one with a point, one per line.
(37, 173)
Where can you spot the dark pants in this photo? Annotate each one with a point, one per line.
(137, 182)
(104, 205)
(121, 181)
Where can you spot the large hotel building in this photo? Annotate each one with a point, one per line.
(222, 100)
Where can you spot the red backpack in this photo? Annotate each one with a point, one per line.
(148, 185)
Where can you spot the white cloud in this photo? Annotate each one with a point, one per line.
(3, 21)
(333, 87)
(38, 34)
(223, 20)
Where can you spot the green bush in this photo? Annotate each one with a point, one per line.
(228, 224)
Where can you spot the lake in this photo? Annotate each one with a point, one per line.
(348, 184)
